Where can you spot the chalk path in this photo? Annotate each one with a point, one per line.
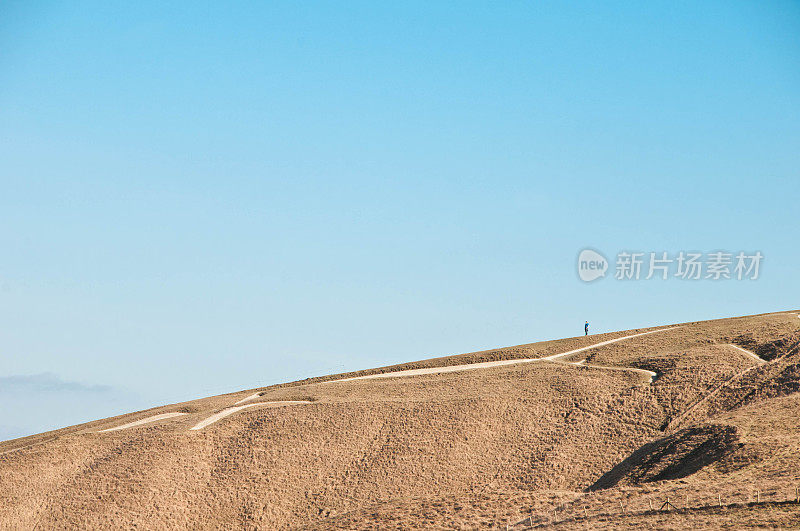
(748, 353)
(502, 363)
(555, 358)
(248, 399)
(650, 374)
(231, 410)
(147, 420)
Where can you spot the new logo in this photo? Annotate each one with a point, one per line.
(591, 265)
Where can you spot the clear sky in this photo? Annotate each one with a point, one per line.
(198, 198)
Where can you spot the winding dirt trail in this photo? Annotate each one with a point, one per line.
(231, 410)
(650, 374)
(248, 399)
(147, 420)
(604, 343)
(748, 353)
(502, 363)
(554, 358)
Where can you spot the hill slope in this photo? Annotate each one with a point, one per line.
(569, 441)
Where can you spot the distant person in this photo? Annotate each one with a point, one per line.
(586, 329)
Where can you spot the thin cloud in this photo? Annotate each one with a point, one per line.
(40, 402)
(49, 383)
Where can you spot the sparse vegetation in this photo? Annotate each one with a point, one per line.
(563, 446)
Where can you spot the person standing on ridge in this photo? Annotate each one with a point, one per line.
(586, 329)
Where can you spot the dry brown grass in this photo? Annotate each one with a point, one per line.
(472, 449)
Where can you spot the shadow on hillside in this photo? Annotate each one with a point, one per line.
(676, 456)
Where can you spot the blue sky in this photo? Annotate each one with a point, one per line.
(198, 198)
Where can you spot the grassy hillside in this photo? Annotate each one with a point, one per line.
(542, 444)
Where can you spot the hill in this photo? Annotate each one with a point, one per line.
(585, 432)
